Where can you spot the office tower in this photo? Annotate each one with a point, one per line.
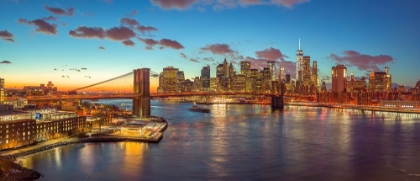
(339, 78)
(281, 74)
(387, 80)
(1, 90)
(219, 72)
(380, 81)
(355, 85)
(225, 68)
(299, 63)
(246, 68)
(314, 74)
(197, 84)
(168, 79)
(266, 80)
(306, 70)
(205, 78)
(180, 81)
(271, 65)
(239, 83)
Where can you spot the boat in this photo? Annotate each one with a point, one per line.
(199, 109)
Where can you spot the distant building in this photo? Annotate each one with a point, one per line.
(205, 78)
(339, 78)
(246, 68)
(168, 79)
(2, 94)
(380, 81)
(299, 64)
(271, 65)
(354, 85)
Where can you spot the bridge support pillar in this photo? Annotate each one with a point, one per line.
(277, 102)
(141, 86)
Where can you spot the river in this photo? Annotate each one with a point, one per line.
(250, 142)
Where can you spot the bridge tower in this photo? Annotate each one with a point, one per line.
(141, 86)
(277, 101)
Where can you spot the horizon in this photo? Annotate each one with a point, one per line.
(78, 43)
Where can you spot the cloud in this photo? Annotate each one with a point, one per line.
(271, 54)
(183, 55)
(59, 11)
(5, 62)
(210, 59)
(132, 13)
(222, 4)
(221, 49)
(43, 26)
(194, 60)
(170, 44)
(116, 33)
(128, 43)
(132, 23)
(149, 42)
(362, 62)
(50, 18)
(6, 36)
(120, 33)
(101, 48)
(87, 32)
(174, 4)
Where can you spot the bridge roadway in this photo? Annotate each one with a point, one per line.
(152, 95)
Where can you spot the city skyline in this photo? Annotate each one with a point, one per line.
(77, 43)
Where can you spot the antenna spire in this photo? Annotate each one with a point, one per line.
(299, 43)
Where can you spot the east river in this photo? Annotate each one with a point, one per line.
(250, 142)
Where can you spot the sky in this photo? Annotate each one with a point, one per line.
(75, 43)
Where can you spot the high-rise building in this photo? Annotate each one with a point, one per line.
(306, 70)
(314, 74)
(168, 79)
(339, 78)
(380, 81)
(205, 78)
(299, 63)
(271, 65)
(281, 74)
(354, 85)
(246, 68)
(180, 81)
(1, 90)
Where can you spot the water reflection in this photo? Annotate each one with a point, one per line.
(252, 142)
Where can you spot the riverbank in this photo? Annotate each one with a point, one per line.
(13, 171)
(357, 107)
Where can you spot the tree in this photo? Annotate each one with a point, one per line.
(100, 118)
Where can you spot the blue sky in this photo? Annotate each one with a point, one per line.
(111, 38)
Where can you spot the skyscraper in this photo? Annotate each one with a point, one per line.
(299, 63)
(1, 90)
(271, 65)
(281, 74)
(167, 79)
(306, 70)
(205, 78)
(246, 68)
(339, 78)
(314, 74)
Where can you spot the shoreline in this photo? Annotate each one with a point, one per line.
(12, 156)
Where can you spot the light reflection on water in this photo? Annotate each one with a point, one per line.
(251, 142)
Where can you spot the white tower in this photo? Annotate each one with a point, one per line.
(299, 64)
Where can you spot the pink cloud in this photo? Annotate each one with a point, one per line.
(87, 32)
(171, 44)
(101, 48)
(133, 12)
(146, 28)
(183, 55)
(174, 4)
(271, 54)
(128, 43)
(362, 62)
(220, 49)
(149, 42)
(42, 26)
(60, 11)
(50, 18)
(6, 36)
(132, 23)
(120, 33)
(288, 3)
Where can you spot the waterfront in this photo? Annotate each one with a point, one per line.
(250, 142)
